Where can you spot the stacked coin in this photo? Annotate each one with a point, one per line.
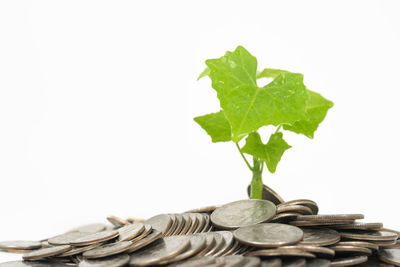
(251, 233)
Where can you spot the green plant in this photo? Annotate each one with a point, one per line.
(285, 102)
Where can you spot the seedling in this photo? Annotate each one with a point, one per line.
(284, 103)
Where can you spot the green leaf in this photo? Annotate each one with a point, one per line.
(216, 125)
(270, 73)
(249, 107)
(270, 153)
(317, 108)
(236, 68)
(205, 73)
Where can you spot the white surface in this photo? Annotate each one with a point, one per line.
(97, 100)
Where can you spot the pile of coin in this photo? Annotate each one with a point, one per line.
(249, 233)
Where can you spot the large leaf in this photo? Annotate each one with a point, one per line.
(249, 107)
(317, 108)
(237, 68)
(270, 153)
(216, 125)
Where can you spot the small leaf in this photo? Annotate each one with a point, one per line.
(270, 153)
(270, 73)
(205, 73)
(249, 107)
(317, 108)
(216, 125)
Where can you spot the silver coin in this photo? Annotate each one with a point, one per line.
(90, 228)
(390, 230)
(268, 235)
(173, 225)
(320, 223)
(242, 213)
(208, 224)
(305, 202)
(154, 236)
(53, 259)
(303, 210)
(318, 263)
(78, 250)
(274, 262)
(201, 223)
(391, 256)
(180, 223)
(187, 223)
(195, 221)
(319, 251)
(107, 250)
(251, 262)
(18, 251)
(32, 264)
(66, 239)
(372, 262)
(219, 262)
(228, 238)
(45, 244)
(358, 225)
(243, 250)
(20, 244)
(281, 252)
(319, 237)
(396, 245)
(353, 250)
(147, 230)
(117, 222)
(294, 263)
(233, 260)
(114, 261)
(163, 249)
(46, 252)
(233, 248)
(362, 244)
(369, 235)
(132, 220)
(285, 217)
(385, 243)
(130, 231)
(197, 262)
(197, 243)
(330, 217)
(161, 222)
(95, 238)
(348, 261)
(210, 242)
(219, 243)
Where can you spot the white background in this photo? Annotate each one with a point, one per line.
(97, 100)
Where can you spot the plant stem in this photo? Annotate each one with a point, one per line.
(245, 160)
(256, 182)
(278, 128)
